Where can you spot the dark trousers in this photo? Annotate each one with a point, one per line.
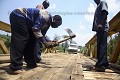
(38, 51)
(102, 49)
(22, 42)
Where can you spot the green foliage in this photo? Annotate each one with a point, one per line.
(83, 50)
(6, 40)
(111, 45)
(59, 48)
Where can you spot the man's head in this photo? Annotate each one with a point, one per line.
(56, 21)
(46, 4)
(97, 1)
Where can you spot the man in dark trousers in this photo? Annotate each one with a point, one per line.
(100, 25)
(27, 25)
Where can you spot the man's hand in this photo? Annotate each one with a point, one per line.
(100, 26)
(55, 43)
(50, 44)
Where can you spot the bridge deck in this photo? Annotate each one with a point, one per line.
(60, 67)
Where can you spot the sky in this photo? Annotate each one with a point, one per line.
(76, 14)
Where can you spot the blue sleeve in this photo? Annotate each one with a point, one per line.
(39, 22)
(104, 6)
(44, 31)
(37, 26)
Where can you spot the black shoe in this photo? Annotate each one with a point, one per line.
(15, 72)
(38, 60)
(31, 66)
(107, 67)
(99, 69)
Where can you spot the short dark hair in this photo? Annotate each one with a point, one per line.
(46, 4)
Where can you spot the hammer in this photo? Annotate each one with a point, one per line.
(71, 35)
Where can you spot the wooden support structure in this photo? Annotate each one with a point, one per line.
(5, 27)
(3, 47)
(88, 50)
(116, 52)
(114, 28)
(94, 51)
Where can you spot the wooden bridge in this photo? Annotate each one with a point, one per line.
(63, 66)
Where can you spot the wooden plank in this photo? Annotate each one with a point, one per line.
(89, 74)
(117, 28)
(92, 40)
(5, 27)
(77, 72)
(95, 51)
(88, 53)
(59, 68)
(57, 71)
(4, 54)
(114, 21)
(65, 72)
(3, 47)
(4, 59)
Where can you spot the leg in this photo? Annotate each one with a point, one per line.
(19, 39)
(38, 51)
(29, 50)
(102, 49)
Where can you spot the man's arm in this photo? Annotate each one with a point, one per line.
(104, 13)
(37, 30)
(103, 18)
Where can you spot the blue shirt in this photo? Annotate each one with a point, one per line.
(37, 20)
(97, 17)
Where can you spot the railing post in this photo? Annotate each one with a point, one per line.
(88, 54)
(95, 51)
(3, 47)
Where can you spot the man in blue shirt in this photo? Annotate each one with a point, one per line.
(39, 45)
(100, 25)
(27, 25)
